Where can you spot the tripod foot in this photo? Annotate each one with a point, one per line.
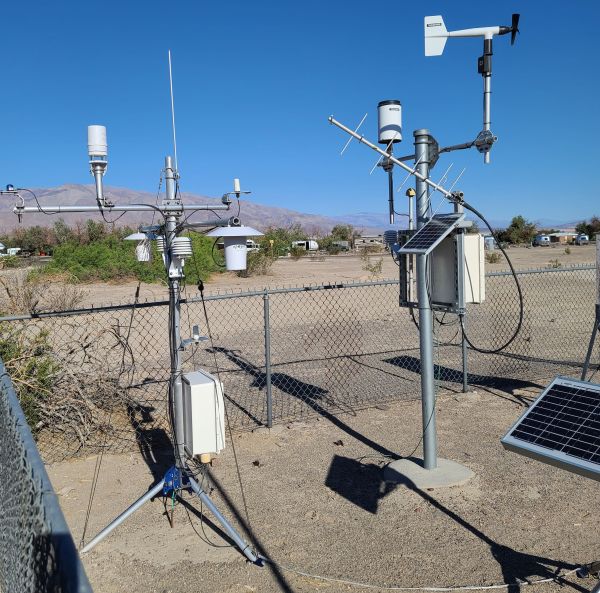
(231, 532)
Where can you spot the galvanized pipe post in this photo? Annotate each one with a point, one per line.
(174, 277)
(462, 300)
(422, 140)
(267, 324)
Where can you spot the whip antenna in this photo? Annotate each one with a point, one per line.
(173, 112)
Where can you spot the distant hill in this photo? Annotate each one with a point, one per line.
(253, 214)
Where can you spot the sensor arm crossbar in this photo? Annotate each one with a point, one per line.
(126, 208)
(448, 194)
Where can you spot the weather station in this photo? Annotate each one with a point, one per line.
(195, 399)
(441, 267)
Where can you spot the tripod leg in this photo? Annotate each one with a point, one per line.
(132, 509)
(231, 532)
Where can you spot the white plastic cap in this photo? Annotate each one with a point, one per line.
(97, 141)
(236, 186)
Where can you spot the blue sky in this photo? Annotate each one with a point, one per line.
(255, 82)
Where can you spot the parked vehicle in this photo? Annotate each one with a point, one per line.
(541, 241)
(252, 245)
(306, 245)
(582, 239)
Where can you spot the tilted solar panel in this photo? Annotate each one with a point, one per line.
(431, 234)
(562, 427)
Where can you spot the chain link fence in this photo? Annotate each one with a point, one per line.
(283, 355)
(37, 553)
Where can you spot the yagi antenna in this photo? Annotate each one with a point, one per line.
(356, 130)
(173, 112)
(436, 36)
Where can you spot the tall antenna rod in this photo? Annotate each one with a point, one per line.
(173, 112)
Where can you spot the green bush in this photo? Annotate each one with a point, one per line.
(492, 257)
(32, 368)
(9, 262)
(258, 263)
(112, 258)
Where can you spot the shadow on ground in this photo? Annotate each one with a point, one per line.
(364, 485)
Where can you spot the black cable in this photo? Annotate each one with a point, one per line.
(517, 283)
(212, 253)
(37, 201)
(218, 372)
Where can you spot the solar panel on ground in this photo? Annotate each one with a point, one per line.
(430, 234)
(562, 427)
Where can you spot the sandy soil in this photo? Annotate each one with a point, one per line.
(319, 270)
(317, 502)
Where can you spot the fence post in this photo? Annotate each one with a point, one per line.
(465, 367)
(267, 327)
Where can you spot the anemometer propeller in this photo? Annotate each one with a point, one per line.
(436, 36)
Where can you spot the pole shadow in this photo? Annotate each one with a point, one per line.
(311, 395)
(364, 485)
(444, 373)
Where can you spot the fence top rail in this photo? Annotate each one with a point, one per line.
(265, 292)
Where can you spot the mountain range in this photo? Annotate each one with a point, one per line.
(252, 214)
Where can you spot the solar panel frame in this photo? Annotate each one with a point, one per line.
(431, 234)
(561, 428)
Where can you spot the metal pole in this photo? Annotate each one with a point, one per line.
(391, 194)
(132, 509)
(465, 363)
(487, 92)
(425, 315)
(231, 532)
(129, 208)
(267, 324)
(462, 301)
(174, 275)
(98, 171)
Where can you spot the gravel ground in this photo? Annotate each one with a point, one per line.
(317, 502)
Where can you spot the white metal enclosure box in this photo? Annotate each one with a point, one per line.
(444, 275)
(204, 413)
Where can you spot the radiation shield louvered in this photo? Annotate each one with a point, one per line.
(426, 239)
(561, 428)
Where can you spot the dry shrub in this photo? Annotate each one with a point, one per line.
(25, 293)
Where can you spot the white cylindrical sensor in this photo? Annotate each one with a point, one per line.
(389, 118)
(235, 253)
(143, 251)
(97, 141)
(236, 186)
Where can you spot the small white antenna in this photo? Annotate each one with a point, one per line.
(356, 130)
(173, 112)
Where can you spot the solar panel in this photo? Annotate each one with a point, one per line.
(562, 428)
(429, 235)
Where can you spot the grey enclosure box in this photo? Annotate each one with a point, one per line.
(445, 278)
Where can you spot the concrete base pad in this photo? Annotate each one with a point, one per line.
(447, 473)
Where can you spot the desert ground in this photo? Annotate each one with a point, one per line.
(317, 501)
(318, 504)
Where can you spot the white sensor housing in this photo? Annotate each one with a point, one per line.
(97, 146)
(204, 413)
(236, 186)
(389, 117)
(234, 241)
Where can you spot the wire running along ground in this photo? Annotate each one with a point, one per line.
(448, 589)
